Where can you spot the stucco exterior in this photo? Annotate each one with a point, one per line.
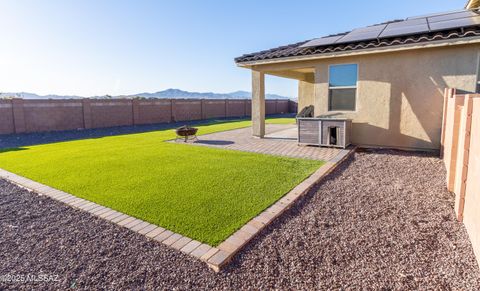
(399, 93)
(306, 91)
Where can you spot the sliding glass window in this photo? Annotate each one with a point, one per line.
(342, 87)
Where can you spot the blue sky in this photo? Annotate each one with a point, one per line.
(125, 47)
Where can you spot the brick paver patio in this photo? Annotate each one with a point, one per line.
(280, 139)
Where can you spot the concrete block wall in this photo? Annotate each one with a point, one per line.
(19, 115)
(151, 112)
(461, 155)
(187, 109)
(6, 117)
(111, 113)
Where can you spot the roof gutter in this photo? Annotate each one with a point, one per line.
(413, 46)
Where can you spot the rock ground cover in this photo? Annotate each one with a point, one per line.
(382, 220)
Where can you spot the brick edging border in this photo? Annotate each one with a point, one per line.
(215, 257)
(233, 244)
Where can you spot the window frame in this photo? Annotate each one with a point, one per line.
(342, 87)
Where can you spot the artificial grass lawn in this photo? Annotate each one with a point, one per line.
(281, 120)
(200, 192)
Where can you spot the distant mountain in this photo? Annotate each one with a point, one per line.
(26, 95)
(177, 93)
(169, 93)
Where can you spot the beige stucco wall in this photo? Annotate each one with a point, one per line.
(306, 91)
(399, 94)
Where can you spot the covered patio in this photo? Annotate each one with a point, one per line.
(279, 139)
(306, 91)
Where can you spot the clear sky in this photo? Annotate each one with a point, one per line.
(98, 47)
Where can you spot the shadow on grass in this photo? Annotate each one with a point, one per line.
(6, 150)
(10, 141)
(214, 142)
(28, 139)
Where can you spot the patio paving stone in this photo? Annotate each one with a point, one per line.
(242, 140)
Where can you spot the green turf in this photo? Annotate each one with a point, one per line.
(281, 120)
(201, 192)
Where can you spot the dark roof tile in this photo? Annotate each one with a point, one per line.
(294, 50)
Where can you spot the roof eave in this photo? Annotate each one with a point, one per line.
(472, 4)
(432, 44)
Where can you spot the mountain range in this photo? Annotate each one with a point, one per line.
(167, 94)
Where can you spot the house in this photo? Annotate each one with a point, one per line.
(388, 78)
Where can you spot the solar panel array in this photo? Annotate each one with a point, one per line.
(409, 26)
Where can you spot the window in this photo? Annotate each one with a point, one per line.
(342, 87)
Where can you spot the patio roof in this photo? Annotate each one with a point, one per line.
(448, 26)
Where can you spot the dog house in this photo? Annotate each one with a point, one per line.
(324, 131)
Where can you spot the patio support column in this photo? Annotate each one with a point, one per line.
(258, 104)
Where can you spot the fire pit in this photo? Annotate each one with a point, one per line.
(186, 132)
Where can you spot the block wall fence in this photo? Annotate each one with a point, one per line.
(29, 115)
(461, 154)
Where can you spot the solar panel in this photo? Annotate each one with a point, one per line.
(404, 30)
(365, 33)
(451, 16)
(409, 26)
(378, 27)
(408, 22)
(322, 41)
(434, 14)
(358, 37)
(455, 23)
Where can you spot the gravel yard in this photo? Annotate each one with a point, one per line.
(383, 220)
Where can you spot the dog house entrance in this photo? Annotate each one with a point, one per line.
(333, 135)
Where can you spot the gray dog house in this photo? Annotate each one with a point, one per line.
(322, 131)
